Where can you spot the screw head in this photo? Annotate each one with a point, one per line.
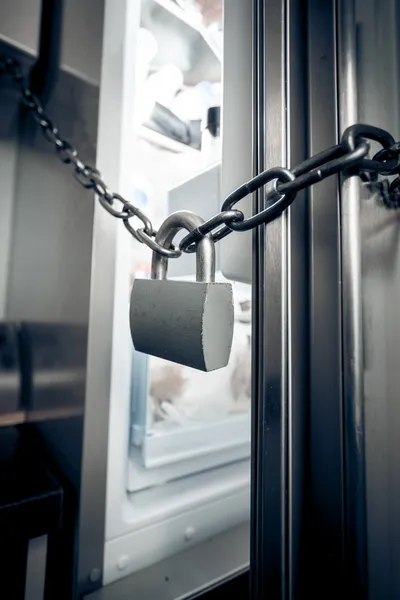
(189, 533)
(123, 562)
(94, 575)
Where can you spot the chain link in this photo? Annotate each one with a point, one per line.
(349, 157)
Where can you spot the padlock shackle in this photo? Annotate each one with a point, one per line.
(205, 249)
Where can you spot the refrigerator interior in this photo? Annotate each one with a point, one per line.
(179, 439)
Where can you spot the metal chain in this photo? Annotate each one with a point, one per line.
(350, 157)
(86, 175)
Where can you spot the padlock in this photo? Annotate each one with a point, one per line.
(190, 323)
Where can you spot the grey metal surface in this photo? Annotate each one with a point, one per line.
(352, 331)
(49, 264)
(8, 177)
(10, 370)
(280, 316)
(82, 27)
(42, 373)
(49, 280)
(378, 103)
(325, 484)
(187, 322)
(36, 568)
(237, 131)
(184, 574)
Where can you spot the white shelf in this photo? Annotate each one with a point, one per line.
(163, 447)
(180, 14)
(192, 22)
(176, 28)
(164, 142)
(140, 478)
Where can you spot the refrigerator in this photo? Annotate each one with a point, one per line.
(277, 475)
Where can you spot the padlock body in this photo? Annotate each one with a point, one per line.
(190, 323)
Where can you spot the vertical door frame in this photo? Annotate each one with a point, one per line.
(280, 308)
(325, 493)
(352, 316)
(308, 477)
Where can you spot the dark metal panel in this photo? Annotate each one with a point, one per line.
(44, 73)
(279, 324)
(269, 460)
(325, 484)
(297, 295)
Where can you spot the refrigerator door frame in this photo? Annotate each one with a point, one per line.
(279, 308)
(311, 428)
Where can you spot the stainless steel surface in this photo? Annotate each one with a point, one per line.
(279, 325)
(8, 177)
(237, 128)
(378, 40)
(36, 568)
(184, 574)
(42, 374)
(49, 279)
(55, 356)
(297, 269)
(82, 27)
(205, 254)
(10, 370)
(38, 416)
(326, 486)
(47, 265)
(352, 331)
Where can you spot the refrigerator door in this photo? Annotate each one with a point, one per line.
(369, 50)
